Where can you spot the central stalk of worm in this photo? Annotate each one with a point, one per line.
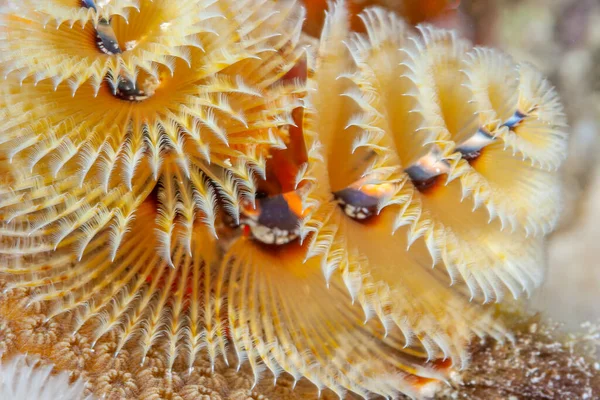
(471, 147)
(106, 40)
(427, 170)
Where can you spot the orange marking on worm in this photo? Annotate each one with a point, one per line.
(294, 202)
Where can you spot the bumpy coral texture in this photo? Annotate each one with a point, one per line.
(100, 372)
(192, 187)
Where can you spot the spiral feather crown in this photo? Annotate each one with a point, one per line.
(200, 181)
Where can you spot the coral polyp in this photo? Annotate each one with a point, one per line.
(194, 184)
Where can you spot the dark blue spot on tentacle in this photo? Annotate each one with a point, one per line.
(515, 120)
(128, 90)
(417, 173)
(425, 172)
(105, 38)
(272, 222)
(420, 173)
(275, 213)
(357, 204)
(107, 43)
(89, 4)
(471, 147)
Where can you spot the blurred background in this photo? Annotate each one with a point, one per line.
(561, 38)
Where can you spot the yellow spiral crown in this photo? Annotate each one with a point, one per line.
(195, 181)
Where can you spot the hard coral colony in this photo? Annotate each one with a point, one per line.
(195, 181)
